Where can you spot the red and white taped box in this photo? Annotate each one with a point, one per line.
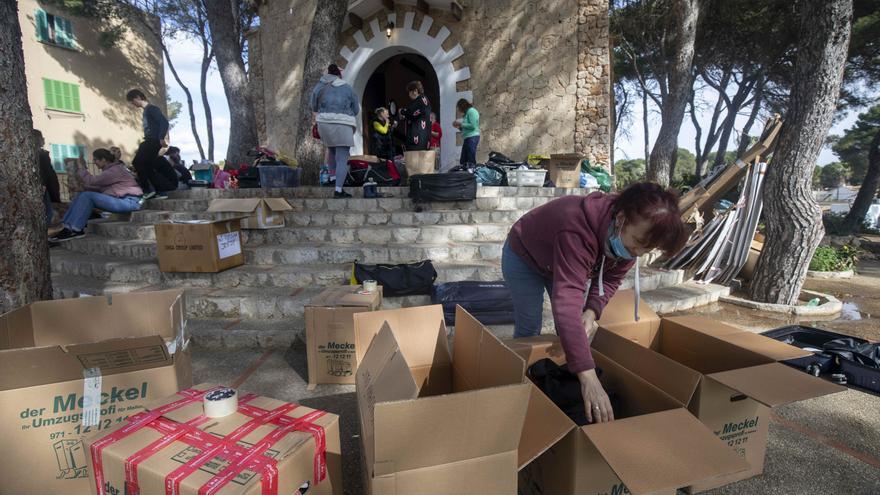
(266, 447)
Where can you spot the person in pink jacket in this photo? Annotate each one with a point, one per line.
(566, 243)
(114, 189)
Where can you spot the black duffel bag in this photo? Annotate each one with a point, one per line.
(405, 279)
(453, 186)
(489, 302)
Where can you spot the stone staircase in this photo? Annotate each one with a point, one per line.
(261, 303)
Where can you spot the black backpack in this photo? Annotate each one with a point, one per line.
(489, 302)
(453, 186)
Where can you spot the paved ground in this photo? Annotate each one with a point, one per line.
(825, 445)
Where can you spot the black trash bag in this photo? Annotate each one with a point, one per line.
(405, 279)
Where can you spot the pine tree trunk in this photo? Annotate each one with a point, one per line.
(207, 56)
(853, 221)
(24, 266)
(228, 50)
(687, 14)
(793, 219)
(322, 51)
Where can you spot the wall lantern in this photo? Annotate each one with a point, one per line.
(388, 29)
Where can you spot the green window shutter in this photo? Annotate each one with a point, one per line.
(66, 97)
(63, 32)
(59, 94)
(49, 92)
(42, 25)
(74, 98)
(57, 158)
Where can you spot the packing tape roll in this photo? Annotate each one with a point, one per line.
(220, 403)
(370, 286)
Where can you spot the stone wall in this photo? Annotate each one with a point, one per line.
(593, 125)
(523, 61)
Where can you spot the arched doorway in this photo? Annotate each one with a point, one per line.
(388, 84)
(407, 38)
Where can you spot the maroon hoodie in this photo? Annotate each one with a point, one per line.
(565, 240)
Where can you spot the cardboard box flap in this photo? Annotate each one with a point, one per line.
(347, 295)
(438, 430)
(620, 309)
(383, 375)
(663, 451)
(545, 424)
(532, 349)
(243, 205)
(93, 319)
(34, 366)
(413, 328)
(677, 380)
(773, 349)
(775, 384)
(277, 204)
(480, 359)
(16, 329)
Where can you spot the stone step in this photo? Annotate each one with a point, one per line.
(370, 205)
(374, 234)
(397, 192)
(245, 332)
(256, 300)
(121, 270)
(307, 253)
(141, 222)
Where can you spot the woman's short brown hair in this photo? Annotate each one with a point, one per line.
(415, 86)
(650, 201)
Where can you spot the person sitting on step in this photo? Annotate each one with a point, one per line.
(114, 189)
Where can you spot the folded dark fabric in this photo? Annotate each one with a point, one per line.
(564, 389)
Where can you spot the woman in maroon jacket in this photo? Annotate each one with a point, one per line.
(570, 241)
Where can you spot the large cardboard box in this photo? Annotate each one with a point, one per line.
(75, 366)
(333, 346)
(563, 169)
(420, 162)
(263, 213)
(434, 423)
(265, 443)
(654, 445)
(199, 245)
(729, 378)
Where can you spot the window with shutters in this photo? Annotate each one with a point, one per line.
(61, 96)
(54, 29)
(60, 152)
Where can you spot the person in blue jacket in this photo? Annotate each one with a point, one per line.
(334, 108)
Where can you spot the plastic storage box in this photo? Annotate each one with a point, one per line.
(279, 176)
(523, 177)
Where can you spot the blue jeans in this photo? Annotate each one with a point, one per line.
(469, 150)
(81, 209)
(527, 290)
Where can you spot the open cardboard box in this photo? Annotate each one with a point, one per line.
(333, 346)
(57, 357)
(434, 422)
(728, 378)
(263, 213)
(654, 445)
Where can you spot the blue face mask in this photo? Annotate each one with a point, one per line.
(617, 247)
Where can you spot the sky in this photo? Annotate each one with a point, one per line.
(187, 58)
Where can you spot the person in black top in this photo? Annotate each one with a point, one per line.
(381, 133)
(48, 177)
(417, 114)
(172, 154)
(154, 173)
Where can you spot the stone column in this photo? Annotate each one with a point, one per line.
(592, 135)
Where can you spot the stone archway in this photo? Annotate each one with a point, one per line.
(368, 55)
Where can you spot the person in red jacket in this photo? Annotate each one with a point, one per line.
(563, 244)
(436, 133)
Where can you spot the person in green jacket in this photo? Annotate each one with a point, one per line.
(470, 131)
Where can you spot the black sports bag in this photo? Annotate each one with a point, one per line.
(453, 186)
(399, 280)
(489, 302)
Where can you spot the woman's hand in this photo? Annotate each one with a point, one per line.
(596, 403)
(590, 325)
